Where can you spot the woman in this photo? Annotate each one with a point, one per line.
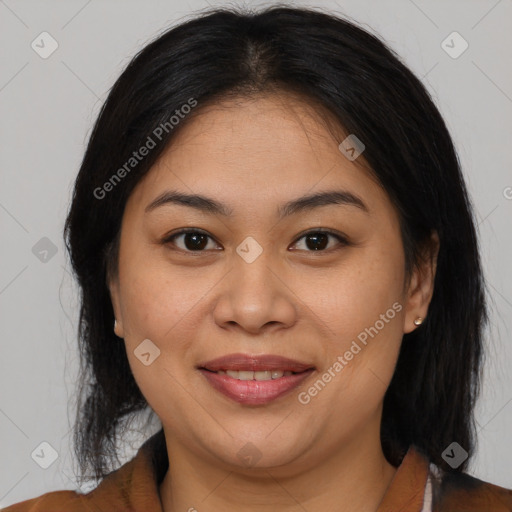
(277, 256)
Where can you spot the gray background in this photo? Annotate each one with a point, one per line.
(47, 110)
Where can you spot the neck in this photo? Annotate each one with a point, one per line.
(354, 477)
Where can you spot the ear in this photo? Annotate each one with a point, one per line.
(421, 286)
(113, 286)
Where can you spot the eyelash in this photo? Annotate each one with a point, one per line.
(341, 238)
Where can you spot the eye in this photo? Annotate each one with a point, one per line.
(317, 240)
(195, 240)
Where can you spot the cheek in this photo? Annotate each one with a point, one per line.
(164, 309)
(356, 295)
(156, 305)
(359, 310)
(159, 308)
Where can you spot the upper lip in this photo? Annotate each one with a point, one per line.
(255, 363)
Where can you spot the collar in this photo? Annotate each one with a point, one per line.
(407, 488)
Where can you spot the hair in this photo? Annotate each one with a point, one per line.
(334, 64)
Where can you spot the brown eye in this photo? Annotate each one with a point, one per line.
(319, 240)
(192, 240)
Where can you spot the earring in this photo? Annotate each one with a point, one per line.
(418, 321)
(115, 324)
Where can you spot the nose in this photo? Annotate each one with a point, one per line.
(256, 297)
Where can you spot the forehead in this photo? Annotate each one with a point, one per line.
(247, 152)
(250, 128)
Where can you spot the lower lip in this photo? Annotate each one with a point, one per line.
(254, 392)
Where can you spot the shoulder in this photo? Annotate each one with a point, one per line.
(57, 501)
(133, 486)
(460, 492)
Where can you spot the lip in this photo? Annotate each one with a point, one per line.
(254, 392)
(255, 363)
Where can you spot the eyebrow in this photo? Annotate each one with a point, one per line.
(301, 204)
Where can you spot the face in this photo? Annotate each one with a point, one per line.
(321, 285)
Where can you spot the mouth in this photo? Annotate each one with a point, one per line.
(252, 375)
(254, 380)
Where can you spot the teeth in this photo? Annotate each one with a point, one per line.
(248, 375)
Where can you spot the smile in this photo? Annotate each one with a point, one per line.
(254, 379)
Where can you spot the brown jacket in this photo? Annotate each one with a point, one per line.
(416, 487)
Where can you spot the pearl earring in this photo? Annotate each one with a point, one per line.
(115, 324)
(418, 321)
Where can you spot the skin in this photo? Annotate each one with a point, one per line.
(292, 301)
